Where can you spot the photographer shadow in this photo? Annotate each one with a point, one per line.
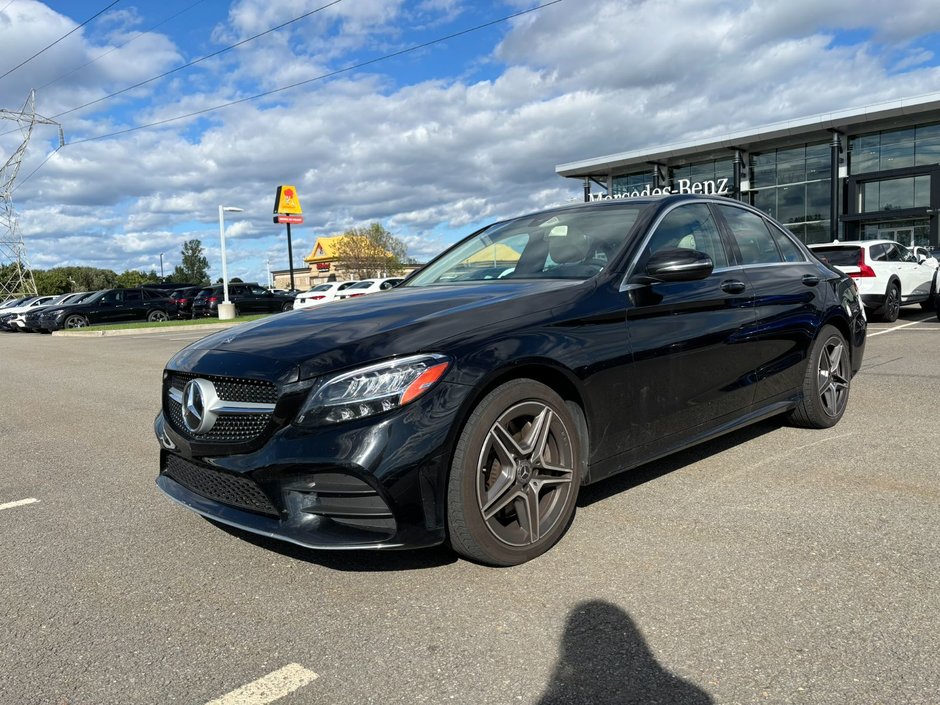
(605, 661)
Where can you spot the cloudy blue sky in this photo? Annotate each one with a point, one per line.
(430, 142)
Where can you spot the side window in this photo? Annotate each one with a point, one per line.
(879, 253)
(690, 227)
(133, 296)
(751, 235)
(789, 249)
(893, 253)
(258, 291)
(112, 297)
(236, 289)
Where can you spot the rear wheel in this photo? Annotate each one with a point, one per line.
(515, 475)
(892, 305)
(288, 306)
(157, 316)
(826, 382)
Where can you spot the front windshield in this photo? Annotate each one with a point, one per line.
(568, 244)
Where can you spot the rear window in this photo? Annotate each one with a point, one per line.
(839, 256)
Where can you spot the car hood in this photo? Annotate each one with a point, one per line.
(311, 341)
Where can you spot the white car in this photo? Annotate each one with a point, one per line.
(370, 286)
(924, 256)
(12, 317)
(888, 275)
(321, 294)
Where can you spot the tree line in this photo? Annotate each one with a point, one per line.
(194, 269)
(363, 252)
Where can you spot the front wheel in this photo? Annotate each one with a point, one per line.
(76, 321)
(515, 475)
(826, 382)
(157, 316)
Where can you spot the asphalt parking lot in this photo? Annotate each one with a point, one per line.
(775, 565)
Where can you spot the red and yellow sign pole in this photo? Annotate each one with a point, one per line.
(287, 210)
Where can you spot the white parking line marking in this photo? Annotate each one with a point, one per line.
(891, 330)
(18, 503)
(269, 688)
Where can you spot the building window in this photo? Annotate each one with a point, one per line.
(894, 194)
(793, 186)
(895, 149)
(712, 170)
(628, 183)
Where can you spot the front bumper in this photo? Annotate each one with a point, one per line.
(377, 483)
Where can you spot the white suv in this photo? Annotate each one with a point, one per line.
(887, 273)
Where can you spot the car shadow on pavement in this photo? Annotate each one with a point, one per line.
(657, 468)
(349, 560)
(605, 660)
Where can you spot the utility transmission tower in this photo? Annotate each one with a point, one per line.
(16, 277)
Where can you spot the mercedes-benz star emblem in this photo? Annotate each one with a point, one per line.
(198, 401)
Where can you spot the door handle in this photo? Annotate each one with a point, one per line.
(810, 279)
(732, 286)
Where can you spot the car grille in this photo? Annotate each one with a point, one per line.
(229, 428)
(233, 490)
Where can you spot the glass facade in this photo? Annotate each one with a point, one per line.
(628, 183)
(895, 149)
(703, 171)
(793, 186)
(888, 183)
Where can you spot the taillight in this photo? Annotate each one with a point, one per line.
(212, 300)
(863, 269)
(182, 301)
(352, 295)
(316, 298)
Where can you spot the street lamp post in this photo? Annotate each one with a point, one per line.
(226, 308)
(161, 266)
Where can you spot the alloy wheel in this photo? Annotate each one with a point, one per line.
(524, 474)
(833, 377)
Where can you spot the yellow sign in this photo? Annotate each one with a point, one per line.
(287, 201)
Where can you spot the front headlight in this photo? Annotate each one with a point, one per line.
(372, 390)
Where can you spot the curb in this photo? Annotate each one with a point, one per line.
(142, 331)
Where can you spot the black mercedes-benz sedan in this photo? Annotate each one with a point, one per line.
(537, 355)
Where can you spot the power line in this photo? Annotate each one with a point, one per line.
(200, 59)
(23, 63)
(121, 46)
(321, 77)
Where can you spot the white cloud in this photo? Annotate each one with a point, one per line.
(428, 158)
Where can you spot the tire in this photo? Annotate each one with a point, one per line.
(288, 306)
(515, 475)
(157, 316)
(892, 306)
(75, 321)
(826, 382)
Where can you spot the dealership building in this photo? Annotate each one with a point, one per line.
(864, 173)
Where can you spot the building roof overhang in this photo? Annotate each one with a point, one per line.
(878, 116)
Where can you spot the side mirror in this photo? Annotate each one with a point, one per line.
(676, 265)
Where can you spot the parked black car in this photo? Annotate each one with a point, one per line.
(109, 306)
(181, 302)
(32, 318)
(247, 297)
(472, 411)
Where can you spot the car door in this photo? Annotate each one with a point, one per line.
(108, 308)
(132, 308)
(788, 300)
(916, 279)
(692, 356)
